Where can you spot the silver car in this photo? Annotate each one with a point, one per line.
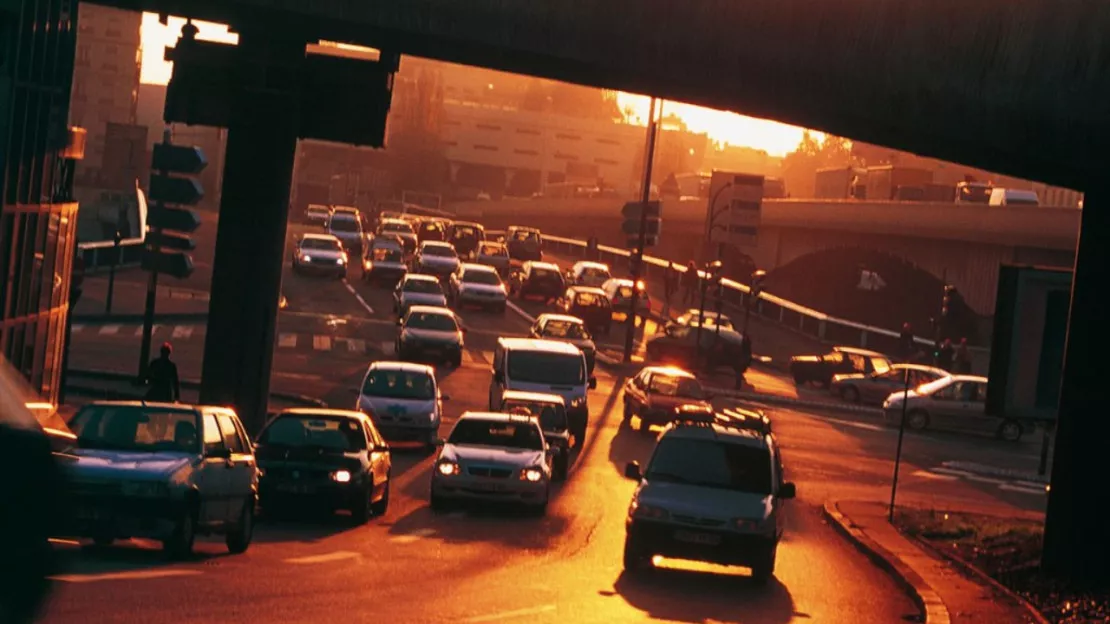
(566, 328)
(494, 254)
(436, 258)
(417, 289)
(493, 457)
(403, 400)
(320, 254)
(956, 403)
(586, 273)
(479, 286)
(347, 227)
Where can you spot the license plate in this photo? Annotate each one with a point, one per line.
(294, 489)
(692, 537)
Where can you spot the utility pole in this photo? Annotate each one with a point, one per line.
(638, 253)
(152, 282)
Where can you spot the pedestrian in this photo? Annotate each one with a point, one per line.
(945, 355)
(907, 348)
(962, 364)
(162, 376)
(745, 360)
(670, 284)
(690, 284)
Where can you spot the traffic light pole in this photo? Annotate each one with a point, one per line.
(152, 284)
(638, 257)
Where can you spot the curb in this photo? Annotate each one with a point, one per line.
(773, 399)
(926, 598)
(991, 471)
(189, 384)
(108, 319)
(970, 569)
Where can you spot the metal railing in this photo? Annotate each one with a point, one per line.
(99, 255)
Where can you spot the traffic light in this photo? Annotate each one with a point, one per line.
(757, 282)
(170, 226)
(951, 296)
(650, 215)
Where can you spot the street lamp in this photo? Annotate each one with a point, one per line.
(712, 271)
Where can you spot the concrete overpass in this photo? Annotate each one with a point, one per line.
(964, 244)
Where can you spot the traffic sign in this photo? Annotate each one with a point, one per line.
(180, 219)
(632, 210)
(651, 227)
(171, 190)
(186, 159)
(175, 264)
(737, 207)
(170, 240)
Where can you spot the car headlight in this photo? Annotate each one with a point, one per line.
(149, 489)
(533, 474)
(341, 476)
(578, 402)
(448, 468)
(306, 258)
(339, 260)
(647, 512)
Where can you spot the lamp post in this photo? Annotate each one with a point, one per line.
(711, 271)
(112, 271)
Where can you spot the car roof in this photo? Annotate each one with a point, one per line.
(395, 222)
(706, 313)
(421, 277)
(314, 236)
(536, 264)
(538, 397)
(175, 407)
(921, 367)
(319, 207)
(536, 344)
(490, 243)
(494, 417)
(427, 309)
(975, 378)
(858, 351)
(408, 367)
(588, 289)
(468, 224)
(523, 228)
(669, 370)
(346, 209)
(474, 266)
(429, 243)
(720, 432)
(551, 316)
(590, 264)
(322, 412)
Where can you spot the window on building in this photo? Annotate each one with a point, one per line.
(526, 152)
(82, 58)
(114, 33)
(486, 148)
(562, 156)
(528, 131)
(483, 126)
(567, 137)
(451, 143)
(605, 161)
(609, 141)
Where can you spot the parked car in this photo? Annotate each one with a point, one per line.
(550, 411)
(875, 387)
(320, 254)
(538, 279)
(821, 369)
(477, 285)
(404, 401)
(657, 394)
(385, 260)
(434, 334)
(954, 403)
(418, 289)
(163, 471)
(494, 255)
(589, 304)
(524, 243)
(326, 458)
(711, 492)
(566, 329)
(586, 273)
(436, 258)
(466, 236)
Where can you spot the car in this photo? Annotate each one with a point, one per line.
(524, 243)
(385, 260)
(821, 369)
(589, 304)
(953, 403)
(712, 492)
(874, 388)
(320, 254)
(436, 258)
(479, 286)
(466, 236)
(403, 400)
(418, 289)
(315, 457)
(550, 411)
(539, 279)
(317, 214)
(491, 457)
(494, 254)
(346, 225)
(431, 230)
(658, 393)
(691, 318)
(569, 329)
(164, 471)
(678, 345)
(401, 229)
(619, 292)
(430, 333)
(587, 273)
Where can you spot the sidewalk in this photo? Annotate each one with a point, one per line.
(943, 594)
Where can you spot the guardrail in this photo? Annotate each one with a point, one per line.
(795, 317)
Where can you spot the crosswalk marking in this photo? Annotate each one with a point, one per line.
(109, 330)
(321, 343)
(287, 341)
(356, 345)
(182, 332)
(153, 330)
(1024, 490)
(76, 328)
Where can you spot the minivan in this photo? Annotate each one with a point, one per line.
(547, 366)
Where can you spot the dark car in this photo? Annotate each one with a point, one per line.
(431, 230)
(433, 334)
(524, 243)
(678, 344)
(551, 412)
(821, 369)
(323, 458)
(542, 280)
(465, 236)
(589, 304)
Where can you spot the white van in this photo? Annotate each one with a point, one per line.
(1013, 197)
(548, 366)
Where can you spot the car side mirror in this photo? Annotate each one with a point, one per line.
(787, 491)
(632, 471)
(593, 383)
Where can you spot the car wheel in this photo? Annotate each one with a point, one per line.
(180, 543)
(364, 508)
(636, 559)
(380, 507)
(850, 394)
(239, 538)
(763, 570)
(1010, 431)
(917, 420)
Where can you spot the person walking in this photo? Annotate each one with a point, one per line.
(162, 376)
(670, 285)
(690, 281)
(745, 360)
(907, 349)
(962, 363)
(945, 355)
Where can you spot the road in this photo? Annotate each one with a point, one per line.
(495, 565)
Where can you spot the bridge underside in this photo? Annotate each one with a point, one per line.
(1015, 86)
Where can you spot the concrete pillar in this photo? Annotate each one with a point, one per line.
(250, 240)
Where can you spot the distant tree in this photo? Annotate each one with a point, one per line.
(799, 168)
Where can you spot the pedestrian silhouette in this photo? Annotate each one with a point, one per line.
(162, 377)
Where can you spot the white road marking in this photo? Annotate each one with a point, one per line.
(356, 345)
(852, 423)
(413, 537)
(153, 330)
(515, 308)
(338, 555)
(182, 332)
(301, 376)
(76, 328)
(1030, 484)
(109, 330)
(135, 575)
(953, 472)
(508, 615)
(321, 343)
(287, 341)
(990, 480)
(932, 475)
(1024, 490)
(361, 301)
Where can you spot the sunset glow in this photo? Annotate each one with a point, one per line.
(724, 127)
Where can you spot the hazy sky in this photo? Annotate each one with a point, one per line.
(774, 137)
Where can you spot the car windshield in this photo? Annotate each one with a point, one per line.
(399, 384)
(556, 369)
(710, 463)
(397, 228)
(431, 320)
(595, 272)
(552, 416)
(442, 251)
(478, 432)
(493, 251)
(321, 244)
(345, 225)
(589, 300)
(464, 232)
(565, 329)
(524, 236)
(675, 386)
(387, 254)
(136, 428)
(426, 287)
(544, 274)
(481, 277)
(327, 432)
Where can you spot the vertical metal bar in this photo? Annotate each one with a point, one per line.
(152, 284)
(901, 436)
(638, 253)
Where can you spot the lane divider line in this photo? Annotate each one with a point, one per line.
(509, 615)
(339, 555)
(932, 475)
(361, 301)
(134, 575)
